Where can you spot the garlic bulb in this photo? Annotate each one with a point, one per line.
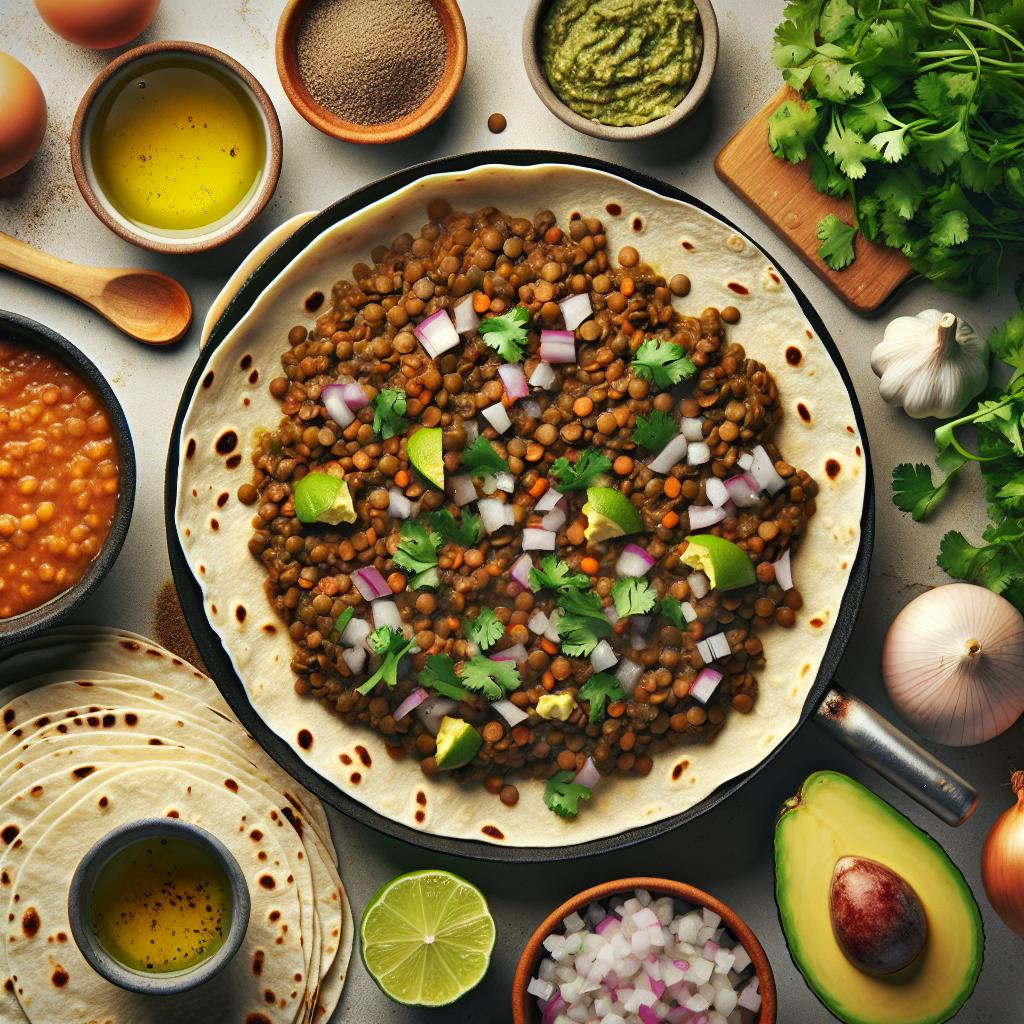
(953, 663)
(932, 364)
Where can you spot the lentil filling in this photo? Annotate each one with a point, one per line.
(498, 263)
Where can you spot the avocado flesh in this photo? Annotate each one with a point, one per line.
(831, 817)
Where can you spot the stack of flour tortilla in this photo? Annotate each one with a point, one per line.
(102, 727)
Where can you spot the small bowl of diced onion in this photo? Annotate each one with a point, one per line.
(643, 951)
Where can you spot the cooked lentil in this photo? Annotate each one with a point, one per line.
(593, 403)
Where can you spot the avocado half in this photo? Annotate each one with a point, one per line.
(833, 816)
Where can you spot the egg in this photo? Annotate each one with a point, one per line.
(22, 115)
(98, 24)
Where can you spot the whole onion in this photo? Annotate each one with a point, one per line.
(1002, 861)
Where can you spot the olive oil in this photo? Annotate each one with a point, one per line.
(161, 905)
(177, 146)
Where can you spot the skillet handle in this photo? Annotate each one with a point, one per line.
(896, 757)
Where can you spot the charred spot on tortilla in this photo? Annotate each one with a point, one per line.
(226, 443)
(304, 739)
(83, 771)
(59, 976)
(793, 355)
(803, 412)
(314, 300)
(832, 468)
(363, 755)
(355, 778)
(231, 784)
(613, 209)
(30, 922)
(9, 833)
(267, 881)
(637, 223)
(222, 499)
(737, 289)
(493, 831)
(208, 380)
(245, 362)
(103, 801)
(254, 376)
(190, 448)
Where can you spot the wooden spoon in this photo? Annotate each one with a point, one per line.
(147, 305)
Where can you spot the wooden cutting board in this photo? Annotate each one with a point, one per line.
(783, 195)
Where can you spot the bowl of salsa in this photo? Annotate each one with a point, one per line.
(67, 477)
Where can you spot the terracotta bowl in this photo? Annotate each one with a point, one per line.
(686, 106)
(201, 239)
(330, 124)
(524, 1006)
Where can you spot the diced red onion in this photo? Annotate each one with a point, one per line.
(333, 398)
(743, 490)
(461, 488)
(437, 333)
(716, 491)
(750, 998)
(517, 652)
(414, 700)
(520, 570)
(497, 416)
(558, 346)
(355, 658)
(605, 923)
(603, 656)
(554, 520)
(399, 505)
(575, 309)
(354, 395)
(356, 631)
(784, 570)
(492, 512)
(432, 710)
(512, 714)
(649, 1016)
(548, 500)
(537, 540)
(634, 562)
(467, 319)
(671, 455)
(370, 584)
(538, 623)
(386, 613)
(553, 1009)
(543, 376)
(693, 428)
(762, 469)
(699, 584)
(705, 684)
(698, 453)
(628, 673)
(505, 482)
(745, 461)
(514, 379)
(702, 516)
(588, 775)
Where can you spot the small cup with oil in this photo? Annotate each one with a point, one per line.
(176, 147)
(158, 906)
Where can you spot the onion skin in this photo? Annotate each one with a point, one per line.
(1002, 862)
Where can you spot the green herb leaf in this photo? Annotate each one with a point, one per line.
(344, 619)
(507, 334)
(392, 646)
(672, 610)
(492, 679)
(655, 431)
(836, 242)
(579, 475)
(662, 362)
(582, 623)
(633, 597)
(563, 796)
(417, 554)
(389, 409)
(486, 629)
(849, 149)
(599, 690)
(554, 574)
(914, 492)
(791, 128)
(467, 530)
(438, 674)
(481, 458)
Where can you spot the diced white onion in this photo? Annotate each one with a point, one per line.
(333, 398)
(354, 657)
(703, 516)
(744, 490)
(698, 453)
(461, 489)
(355, 632)
(399, 505)
(432, 710)
(763, 471)
(512, 714)
(537, 540)
(554, 520)
(784, 571)
(628, 673)
(603, 656)
(386, 613)
(689, 612)
(705, 684)
(551, 633)
(745, 461)
(670, 456)
(575, 309)
(497, 416)
(466, 317)
(543, 376)
(505, 482)
(693, 429)
(538, 623)
(492, 513)
(716, 491)
(548, 500)
(699, 584)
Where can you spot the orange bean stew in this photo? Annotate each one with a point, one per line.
(59, 477)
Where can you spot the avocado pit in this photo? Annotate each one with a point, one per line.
(877, 917)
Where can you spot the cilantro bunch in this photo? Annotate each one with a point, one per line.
(914, 110)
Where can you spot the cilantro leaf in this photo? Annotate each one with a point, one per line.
(579, 475)
(914, 492)
(392, 646)
(344, 619)
(836, 242)
(507, 334)
(417, 554)
(438, 674)
(655, 431)
(563, 796)
(582, 622)
(672, 609)
(492, 679)
(600, 689)
(951, 228)
(554, 574)
(791, 129)
(481, 458)
(892, 144)
(633, 597)
(835, 80)
(1007, 341)
(467, 530)
(663, 363)
(389, 413)
(849, 149)
(486, 629)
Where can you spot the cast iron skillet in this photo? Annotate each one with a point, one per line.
(856, 725)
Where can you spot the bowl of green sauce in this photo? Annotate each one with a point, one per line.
(621, 69)
(176, 147)
(158, 906)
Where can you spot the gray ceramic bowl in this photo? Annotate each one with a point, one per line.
(84, 880)
(687, 105)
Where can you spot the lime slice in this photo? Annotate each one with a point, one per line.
(457, 743)
(426, 455)
(609, 514)
(322, 498)
(725, 564)
(427, 938)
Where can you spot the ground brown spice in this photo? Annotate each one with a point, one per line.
(170, 629)
(371, 61)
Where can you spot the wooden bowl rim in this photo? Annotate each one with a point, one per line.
(322, 119)
(521, 1000)
(201, 243)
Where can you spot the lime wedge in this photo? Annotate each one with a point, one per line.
(427, 938)
(725, 564)
(609, 514)
(425, 454)
(457, 743)
(322, 498)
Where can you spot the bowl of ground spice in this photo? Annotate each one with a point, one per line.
(369, 72)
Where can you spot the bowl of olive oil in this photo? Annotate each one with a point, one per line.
(176, 147)
(158, 906)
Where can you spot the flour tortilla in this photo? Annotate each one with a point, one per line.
(214, 528)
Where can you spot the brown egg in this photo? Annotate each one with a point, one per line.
(98, 24)
(22, 115)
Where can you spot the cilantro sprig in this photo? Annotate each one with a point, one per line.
(417, 554)
(481, 458)
(655, 431)
(563, 796)
(633, 597)
(663, 363)
(439, 675)
(486, 629)
(672, 610)
(507, 334)
(467, 530)
(582, 623)
(492, 679)
(599, 690)
(579, 475)
(392, 646)
(554, 574)
(389, 408)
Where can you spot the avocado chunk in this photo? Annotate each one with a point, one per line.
(835, 831)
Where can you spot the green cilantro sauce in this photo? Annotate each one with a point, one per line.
(621, 62)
